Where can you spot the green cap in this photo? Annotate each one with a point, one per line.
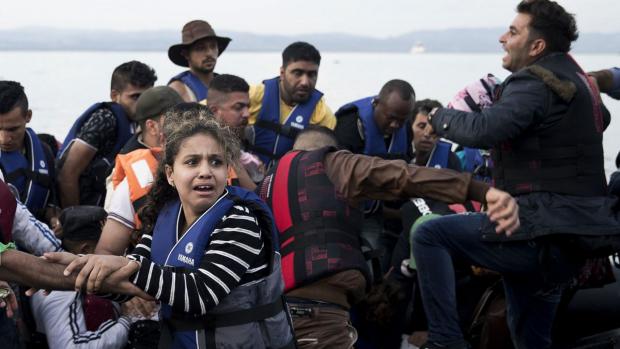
(414, 227)
(154, 102)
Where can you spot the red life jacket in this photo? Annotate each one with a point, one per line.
(319, 230)
(8, 205)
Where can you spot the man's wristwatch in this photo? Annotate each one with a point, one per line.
(443, 127)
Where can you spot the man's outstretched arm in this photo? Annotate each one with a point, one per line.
(26, 269)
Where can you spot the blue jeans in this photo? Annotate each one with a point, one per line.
(531, 296)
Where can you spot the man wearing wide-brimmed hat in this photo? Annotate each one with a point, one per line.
(199, 50)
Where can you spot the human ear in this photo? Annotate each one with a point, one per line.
(115, 95)
(169, 173)
(537, 47)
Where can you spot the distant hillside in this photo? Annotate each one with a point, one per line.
(452, 40)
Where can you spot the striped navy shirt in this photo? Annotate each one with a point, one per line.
(235, 256)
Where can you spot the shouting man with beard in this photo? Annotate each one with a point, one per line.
(198, 51)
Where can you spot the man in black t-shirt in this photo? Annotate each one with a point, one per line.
(97, 136)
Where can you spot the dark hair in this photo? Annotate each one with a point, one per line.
(425, 106)
(300, 51)
(182, 113)
(135, 73)
(161, 192)
(551, 22)
(224, 84)
(12, 96)
(403, 88)
(228, 83)
(327, 134)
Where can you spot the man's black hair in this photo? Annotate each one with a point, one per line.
(425, 106)
(227, 83)
(551, 22)
(403, 88)
(300, 51)
(135, 73)
(12, 95)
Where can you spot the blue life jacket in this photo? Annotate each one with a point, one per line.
(475, 162)
(123, 129)
(439, 156)
(30, 174)
(92, 180)
(250, 326)
(374, 143)
(194, 83)
(272, 139)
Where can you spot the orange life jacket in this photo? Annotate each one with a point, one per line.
(232, 178)
(139, 167)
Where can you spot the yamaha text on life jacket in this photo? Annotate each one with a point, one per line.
(251, 315)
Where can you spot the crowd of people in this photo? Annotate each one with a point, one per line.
(209, 213)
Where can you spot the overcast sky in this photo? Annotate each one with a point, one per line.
(369, 18)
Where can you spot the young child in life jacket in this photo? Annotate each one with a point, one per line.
(207, 251)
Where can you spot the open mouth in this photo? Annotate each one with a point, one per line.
(206, 188)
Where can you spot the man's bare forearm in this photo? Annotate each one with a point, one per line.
(69, 192)
(26, 269)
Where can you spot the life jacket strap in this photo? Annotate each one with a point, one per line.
(234, 318)
(285, 130)
(41, 179)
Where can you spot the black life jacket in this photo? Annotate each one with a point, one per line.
(133, 144)
(563, 156)
(319, 230)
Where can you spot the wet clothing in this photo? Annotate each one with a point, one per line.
(535, 108)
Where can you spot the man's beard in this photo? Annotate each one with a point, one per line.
(203, 70)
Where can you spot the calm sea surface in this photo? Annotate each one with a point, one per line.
(61, 85)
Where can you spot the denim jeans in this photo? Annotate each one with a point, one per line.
(531, 297)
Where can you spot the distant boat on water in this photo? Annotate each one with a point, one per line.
(417, 48)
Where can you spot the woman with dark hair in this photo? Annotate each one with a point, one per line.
(208, 251)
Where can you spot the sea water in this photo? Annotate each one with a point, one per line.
(61, 84)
